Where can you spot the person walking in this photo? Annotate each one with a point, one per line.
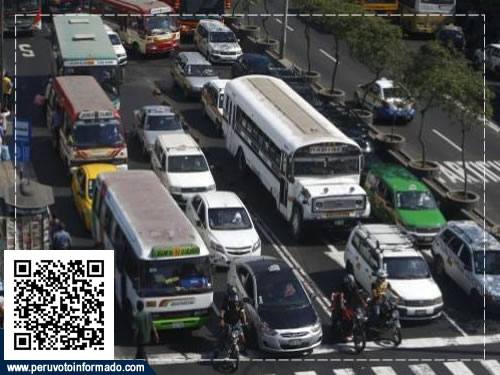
(143, 328)
(7, 92)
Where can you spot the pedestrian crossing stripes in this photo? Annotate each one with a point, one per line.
(478, 171)
(473, 367)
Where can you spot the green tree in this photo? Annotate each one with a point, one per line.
(428, 78)
(468, 103)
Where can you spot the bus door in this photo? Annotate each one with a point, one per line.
(66, 139)
(283, 193)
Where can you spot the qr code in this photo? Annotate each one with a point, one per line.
(59, 302)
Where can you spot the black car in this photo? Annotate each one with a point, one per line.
(251, 63)
(451, 35)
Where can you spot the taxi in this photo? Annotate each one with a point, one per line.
(82, 186)
(397, 196)
(387, 100)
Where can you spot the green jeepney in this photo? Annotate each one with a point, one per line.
(399, 197)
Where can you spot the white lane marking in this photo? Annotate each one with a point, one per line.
(423, 369)
(479, 171)
(449, 141)
(492, 366)
(344, 371)
(383, 370)
(305, 372)
(458, 368)
(493, 126)
(455, 324)
(334, 254)
(328, 55)
(288, 27)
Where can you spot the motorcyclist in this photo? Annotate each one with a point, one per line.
(61, 240)
(232, 314)
(346, 301)
(380, 291)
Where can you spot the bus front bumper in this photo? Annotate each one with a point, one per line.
(163, 324)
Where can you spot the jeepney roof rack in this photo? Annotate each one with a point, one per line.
(394, 239)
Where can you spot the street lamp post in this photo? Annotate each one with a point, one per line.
(283, 30)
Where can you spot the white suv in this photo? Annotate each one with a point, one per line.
(459, 251)
(216, 41)
(372, 247)
(181, 166)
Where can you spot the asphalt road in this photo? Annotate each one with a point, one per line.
(442, 135)
(456, 336)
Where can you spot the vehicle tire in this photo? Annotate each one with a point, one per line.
(242, 164)
(297, 224)
(358, 338)
(397, 337)
(439, 266)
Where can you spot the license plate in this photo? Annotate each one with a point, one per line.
(420, 312)
(295, 342)
(178, 325)
(337, 214)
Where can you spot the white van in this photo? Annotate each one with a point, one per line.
(216, 41)
(116, 42)
(182, 167)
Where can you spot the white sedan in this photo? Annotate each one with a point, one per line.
(224, 224)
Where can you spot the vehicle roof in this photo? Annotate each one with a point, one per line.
(178, 142)
(219, 199)
(253, 57)
(93, 169)
(83, 93)
(389, 238)
(215, 26)
(94, 42)
(158, 110)
(385, 83)
(219, 84)
(261, 264)
(193, 58)
(292, 122)
(141, 6)
(474, 234)
(398, 177)
(155, 221)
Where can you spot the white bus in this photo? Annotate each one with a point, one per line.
(310, 167)
(159, 256)
(429, 15)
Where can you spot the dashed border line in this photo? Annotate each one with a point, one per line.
(483, 15)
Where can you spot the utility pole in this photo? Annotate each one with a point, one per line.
(284, 26)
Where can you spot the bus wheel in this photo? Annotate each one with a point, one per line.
(297, 223)
(242, 164)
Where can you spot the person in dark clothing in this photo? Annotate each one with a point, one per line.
(143, 328)
(232, 313)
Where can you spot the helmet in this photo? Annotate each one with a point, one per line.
(232, 294)
(349, 281)
(381, 274)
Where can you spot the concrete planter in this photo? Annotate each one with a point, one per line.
(429, 169)
(364, 115)
(337, 96)
(312, 76)
(233, 22)
(263, 45)
(390, 141)
(457, 200)
(247, 34)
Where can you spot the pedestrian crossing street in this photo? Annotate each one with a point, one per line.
(406, 367)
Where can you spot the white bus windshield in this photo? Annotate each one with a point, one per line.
(156, 25)
(175, 277)
(109, 77)
(97, 134)
(326, 166)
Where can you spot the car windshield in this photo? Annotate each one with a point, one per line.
(200, 71)
(492, 261)
(175, 276)
(163, 123)
(222, 37)
(228, 218)
(415, 200)
(395, 92)
(102, 134)
(280, 289)
(156, 25)
(326, 166)
(115, 39)
(406, 268)
(90, 188)
(187, 163)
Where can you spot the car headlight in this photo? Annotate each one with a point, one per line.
(211, 187)
(316, 328)
(215, 246)
(175, 189)
(266, 330)
(256, 246)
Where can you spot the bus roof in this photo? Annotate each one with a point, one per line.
(83, 94)
(82, 39)
(142, 6)
(291, 122)
(145, 207)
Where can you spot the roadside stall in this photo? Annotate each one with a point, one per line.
(24, 204)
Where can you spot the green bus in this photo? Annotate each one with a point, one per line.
(82, 47)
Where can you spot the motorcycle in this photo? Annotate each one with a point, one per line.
(227, 358)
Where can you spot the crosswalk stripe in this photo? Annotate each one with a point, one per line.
(344, 371)
(305, 372)
(383, 370)
(423, 369)
(492, 366)
(458, 368)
